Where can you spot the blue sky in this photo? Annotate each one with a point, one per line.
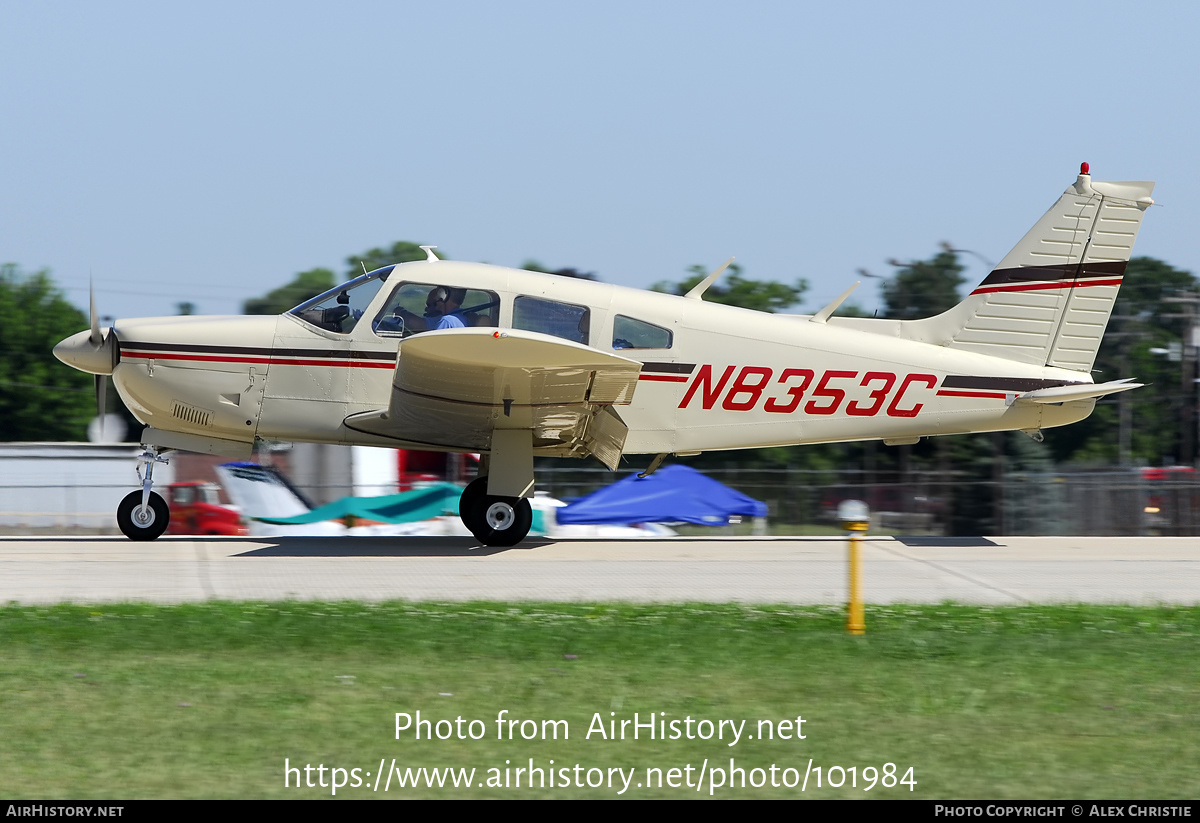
(207, 153)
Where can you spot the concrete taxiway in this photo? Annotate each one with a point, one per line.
(997, 570)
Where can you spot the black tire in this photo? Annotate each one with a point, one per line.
(155, 522)
(495, 521)
(472, 498)
(470, 505)
(506, 521)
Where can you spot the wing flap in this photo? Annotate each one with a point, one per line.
(606, 437)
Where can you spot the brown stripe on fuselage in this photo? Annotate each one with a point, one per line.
(1007, 384)
(668, 368)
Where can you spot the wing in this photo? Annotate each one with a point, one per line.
(454, 389)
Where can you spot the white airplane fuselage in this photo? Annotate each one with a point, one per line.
(732, 378)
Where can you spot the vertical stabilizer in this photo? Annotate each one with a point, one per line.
(1049, 299)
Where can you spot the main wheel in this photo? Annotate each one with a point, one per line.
(506, 521)
(495, 521)
(143, 524)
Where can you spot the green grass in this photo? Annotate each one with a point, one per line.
(207, 700)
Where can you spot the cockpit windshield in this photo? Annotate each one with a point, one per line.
(339, 309)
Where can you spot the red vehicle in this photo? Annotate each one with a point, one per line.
(196, 508)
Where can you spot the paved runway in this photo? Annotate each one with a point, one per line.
(997, 570)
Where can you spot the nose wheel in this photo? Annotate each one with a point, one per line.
(140, 522)
(143, 515)
(495, 521)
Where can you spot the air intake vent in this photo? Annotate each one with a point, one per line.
(190, 414)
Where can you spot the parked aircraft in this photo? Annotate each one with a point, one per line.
(463, 357)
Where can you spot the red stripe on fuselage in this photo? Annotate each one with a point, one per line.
(664, 378)
(1000, 395)
(280, 361)
(1045, 286)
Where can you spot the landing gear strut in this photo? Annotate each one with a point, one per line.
(495, 521)
(144, 515)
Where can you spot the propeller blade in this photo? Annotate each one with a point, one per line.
(95, 338)
(101, 400)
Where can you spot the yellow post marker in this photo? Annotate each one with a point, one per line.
(855, 517)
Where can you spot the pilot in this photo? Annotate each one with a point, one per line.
(451, 300)
(401, 319)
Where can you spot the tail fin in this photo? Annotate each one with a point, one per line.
(1049, 299)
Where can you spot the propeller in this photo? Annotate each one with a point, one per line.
(94, 351)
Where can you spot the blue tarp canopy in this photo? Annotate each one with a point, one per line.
(672, 494)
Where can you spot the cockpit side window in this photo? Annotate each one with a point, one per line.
(415, 307)
(565, 320)
(630, 333)
(339, 309)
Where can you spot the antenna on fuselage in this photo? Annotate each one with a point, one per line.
(824, 314)
(363, 263)
(429, 255)
(697, 291)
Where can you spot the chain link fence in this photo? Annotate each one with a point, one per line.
(1108, 502)
(1102, 502)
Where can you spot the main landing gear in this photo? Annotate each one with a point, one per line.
(144, 515)
(495, 521)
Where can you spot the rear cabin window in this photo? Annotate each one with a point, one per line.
(414, 308)
(565, 320)
(629, 333)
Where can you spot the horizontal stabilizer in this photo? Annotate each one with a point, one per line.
(1077, 391)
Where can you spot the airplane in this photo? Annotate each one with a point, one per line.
(464, 357)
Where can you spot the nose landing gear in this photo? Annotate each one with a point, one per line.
(144, 515)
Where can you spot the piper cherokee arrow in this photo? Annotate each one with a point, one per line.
(463, 357)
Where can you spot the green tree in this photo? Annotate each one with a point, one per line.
(307, 284)
(40, 398)
(923, 288)
(760, 295)
(1151, 291)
